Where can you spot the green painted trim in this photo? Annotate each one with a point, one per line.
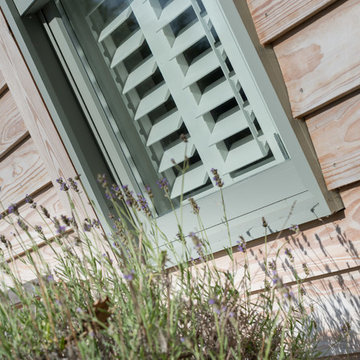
(26, 7)
(61, 102)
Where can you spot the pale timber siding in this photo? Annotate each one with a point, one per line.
(32, 155)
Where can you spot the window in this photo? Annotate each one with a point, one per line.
(149, 72)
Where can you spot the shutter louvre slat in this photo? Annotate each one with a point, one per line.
(186, 39)
(140, 74)
(191, 180)
(243, 155)
(152, 101)
(229, 124)
(110, 28)
(164, 127)
(172, 11)
(201, 67)
(215, 96)
(176, 153)
(127, 48)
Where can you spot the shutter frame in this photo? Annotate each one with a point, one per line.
(309, 194)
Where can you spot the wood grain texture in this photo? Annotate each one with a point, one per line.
(21, 173)
(12, 127)
(325, 248)
(320, 62)
(276, 17)
(35, 114)
(20, 241)
(336, 136)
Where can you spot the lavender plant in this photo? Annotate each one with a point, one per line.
(115, 296)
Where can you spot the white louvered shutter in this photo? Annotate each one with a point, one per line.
(175, 71)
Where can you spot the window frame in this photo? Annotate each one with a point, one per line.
(250, 226)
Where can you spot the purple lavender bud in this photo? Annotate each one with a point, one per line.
(163, 184)
(60, 229)
(87, 226)
(28, 199)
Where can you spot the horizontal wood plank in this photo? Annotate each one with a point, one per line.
(320, 62)
(12, 127)
(22, 172)
(21, 242)
(275, 18)
(35, 114)
(336, 137)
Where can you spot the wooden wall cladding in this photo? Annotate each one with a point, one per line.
(330, 249)
(12, 129)
(20, 241)
(26, 272)
(335, 133)
(320, 62)
(21, 173)
(35, 115)
(325, 247)
(32, 155)
(274, 18)
(335, 305)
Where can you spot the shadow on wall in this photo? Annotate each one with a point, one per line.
(336, 307)
(324, 254)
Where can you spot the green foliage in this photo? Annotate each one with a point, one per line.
(116, 297)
